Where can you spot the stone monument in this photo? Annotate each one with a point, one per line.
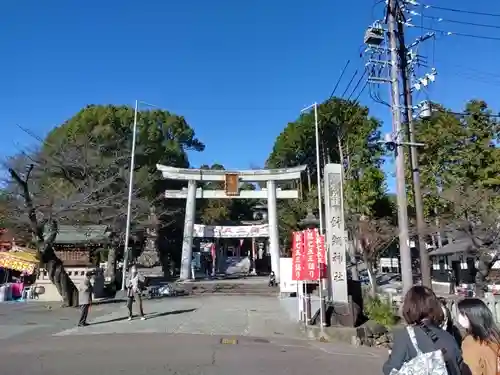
(149, 257)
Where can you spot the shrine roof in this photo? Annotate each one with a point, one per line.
(84, 234)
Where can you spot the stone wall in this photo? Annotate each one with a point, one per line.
(50, 292)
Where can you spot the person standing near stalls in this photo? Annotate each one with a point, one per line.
(85, 290)
(134, 290)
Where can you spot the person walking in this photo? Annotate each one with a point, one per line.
(424, 316)
(481, 345)
(134, 290)
(85, 290)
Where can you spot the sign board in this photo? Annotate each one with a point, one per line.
(335, 232)
(231, 184)
(12, 262)
(389, 262)
(308, 254)
(243, 231)
(287, 285)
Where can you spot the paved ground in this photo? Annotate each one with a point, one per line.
(211, 315)
(181, 336)
(19, 320)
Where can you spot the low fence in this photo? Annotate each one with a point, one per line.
(490, 300)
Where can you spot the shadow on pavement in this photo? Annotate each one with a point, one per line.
(148, 316)
(166, 313)
(109, 301)
(110, 320)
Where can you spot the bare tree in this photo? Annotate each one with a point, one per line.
(79, 182)
(472, 212)
(372, 237)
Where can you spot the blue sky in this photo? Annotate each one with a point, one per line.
(237, 70)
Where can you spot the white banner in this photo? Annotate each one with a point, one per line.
(219, 231)
(287, 285)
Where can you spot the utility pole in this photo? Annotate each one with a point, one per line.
(404, 243)
(410, 127)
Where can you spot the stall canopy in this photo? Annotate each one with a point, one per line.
(20, 259)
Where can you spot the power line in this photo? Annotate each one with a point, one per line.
(468, 70)
(349, 84)
(439, 19)
(462, 11)
(449, 33)
(340, 78)
(357, 84)
(362, 90)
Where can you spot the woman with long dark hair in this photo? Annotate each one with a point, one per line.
(481, 346)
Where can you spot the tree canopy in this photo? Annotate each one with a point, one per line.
(459, 158)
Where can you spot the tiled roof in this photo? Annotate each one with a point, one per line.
(69, 234)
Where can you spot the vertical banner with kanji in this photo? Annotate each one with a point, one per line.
(321, 248)
(311, 254)
(298, 264)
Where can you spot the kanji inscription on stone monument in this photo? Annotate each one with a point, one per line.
(335, 232)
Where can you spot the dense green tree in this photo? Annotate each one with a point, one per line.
(459, 151)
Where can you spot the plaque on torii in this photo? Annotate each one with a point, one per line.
(232, 184)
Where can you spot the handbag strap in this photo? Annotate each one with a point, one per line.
(429, 332)
(413, 339)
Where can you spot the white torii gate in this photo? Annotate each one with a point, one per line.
(232, 180)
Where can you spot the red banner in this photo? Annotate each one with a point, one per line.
(320, 241)
(298, 264)
(309, 255)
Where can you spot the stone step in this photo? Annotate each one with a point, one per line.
(237, 293)
(240, 289)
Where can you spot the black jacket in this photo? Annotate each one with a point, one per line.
(403, 350)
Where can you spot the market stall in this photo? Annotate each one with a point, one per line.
(21, 261)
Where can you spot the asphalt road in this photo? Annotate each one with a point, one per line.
(180, 336)
(155, 354)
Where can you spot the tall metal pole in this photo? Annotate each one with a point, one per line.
(404, 248)
(320, 214)
(318, 163)
(320, 204)
(130, 190)
(318, 168)
(417, 192)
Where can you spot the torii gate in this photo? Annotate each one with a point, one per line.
(232, 180)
